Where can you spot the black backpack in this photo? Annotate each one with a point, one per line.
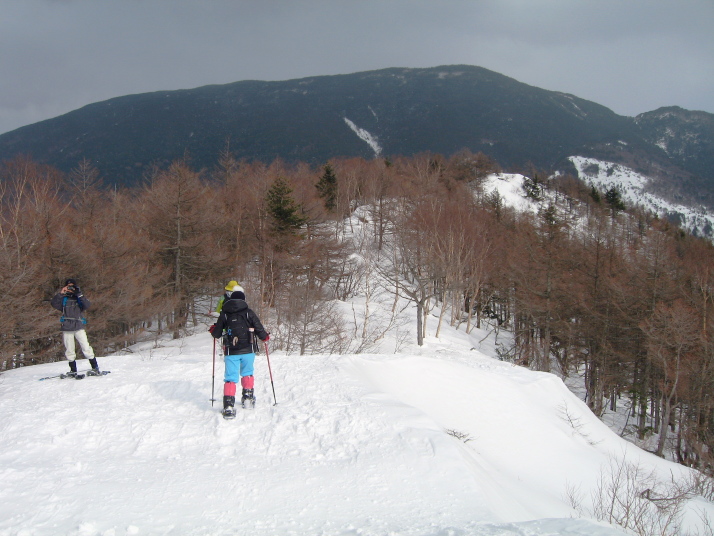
(237, 333)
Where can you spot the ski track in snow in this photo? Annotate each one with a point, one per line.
(354, 446)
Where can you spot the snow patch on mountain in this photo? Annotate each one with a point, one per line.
(510, 189)
(365, 136)
(633, 189)
(573, 109)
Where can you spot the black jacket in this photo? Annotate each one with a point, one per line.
(242, 345)
(72, 310)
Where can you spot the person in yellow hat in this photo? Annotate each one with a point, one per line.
(230, 288)
(238, 325)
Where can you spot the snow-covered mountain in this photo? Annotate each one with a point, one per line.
(633, 187)
(387, 113)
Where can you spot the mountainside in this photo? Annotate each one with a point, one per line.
(389, 112)
(377, 113)
(637, 189)
(687, 138)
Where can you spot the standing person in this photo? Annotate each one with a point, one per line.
(240, 325)
(72, 302)
(230, 288)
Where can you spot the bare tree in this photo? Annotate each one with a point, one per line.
(672, 333)
(182, 216)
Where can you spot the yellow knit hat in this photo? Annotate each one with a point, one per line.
(231, 284)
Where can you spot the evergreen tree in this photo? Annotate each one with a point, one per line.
(286, 213)
(327, 188)
(533, 188)
(614, 199)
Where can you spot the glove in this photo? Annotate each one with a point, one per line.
(211, 329)
(267, 338)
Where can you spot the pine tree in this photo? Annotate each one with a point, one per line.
(533, 188)
(595, 194)
(286, 213)
(327, 188)
(614, 199)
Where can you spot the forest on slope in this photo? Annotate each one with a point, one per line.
(585, 284)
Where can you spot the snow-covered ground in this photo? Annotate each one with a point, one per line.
(438, 440)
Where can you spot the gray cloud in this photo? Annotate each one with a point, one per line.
(631, 56)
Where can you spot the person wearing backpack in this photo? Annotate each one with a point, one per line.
(239, 324)
(230, 288)
(72, 302)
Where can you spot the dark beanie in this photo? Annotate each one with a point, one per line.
(70, 282)
(237, 295)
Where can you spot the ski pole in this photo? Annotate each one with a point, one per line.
(213, 380)
(51, 377)
(270, 371)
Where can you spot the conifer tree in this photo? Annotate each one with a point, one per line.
(286, 213)
(327, 188)
(614, 199)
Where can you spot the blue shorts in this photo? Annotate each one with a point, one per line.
(242, 363)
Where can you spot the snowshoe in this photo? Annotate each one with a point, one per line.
(248, 399)
(97, 372)
(72, 375)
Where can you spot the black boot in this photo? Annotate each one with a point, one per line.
(95, 368)
(228, 410)
(72, 369)
(248, 399)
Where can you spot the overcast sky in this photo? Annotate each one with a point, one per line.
(632, 56)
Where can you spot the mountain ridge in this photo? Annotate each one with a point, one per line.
(404, 111)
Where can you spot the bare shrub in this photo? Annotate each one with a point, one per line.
(635, 499)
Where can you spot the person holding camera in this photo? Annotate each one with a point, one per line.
(73, 303)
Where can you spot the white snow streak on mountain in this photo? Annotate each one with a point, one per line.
(365, 136)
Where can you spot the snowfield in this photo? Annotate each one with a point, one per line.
(440, 440)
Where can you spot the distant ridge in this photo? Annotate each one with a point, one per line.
(388, 112)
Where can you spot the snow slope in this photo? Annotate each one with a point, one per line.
(633, 188)
(439, 440)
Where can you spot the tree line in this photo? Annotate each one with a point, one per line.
(585, 285)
